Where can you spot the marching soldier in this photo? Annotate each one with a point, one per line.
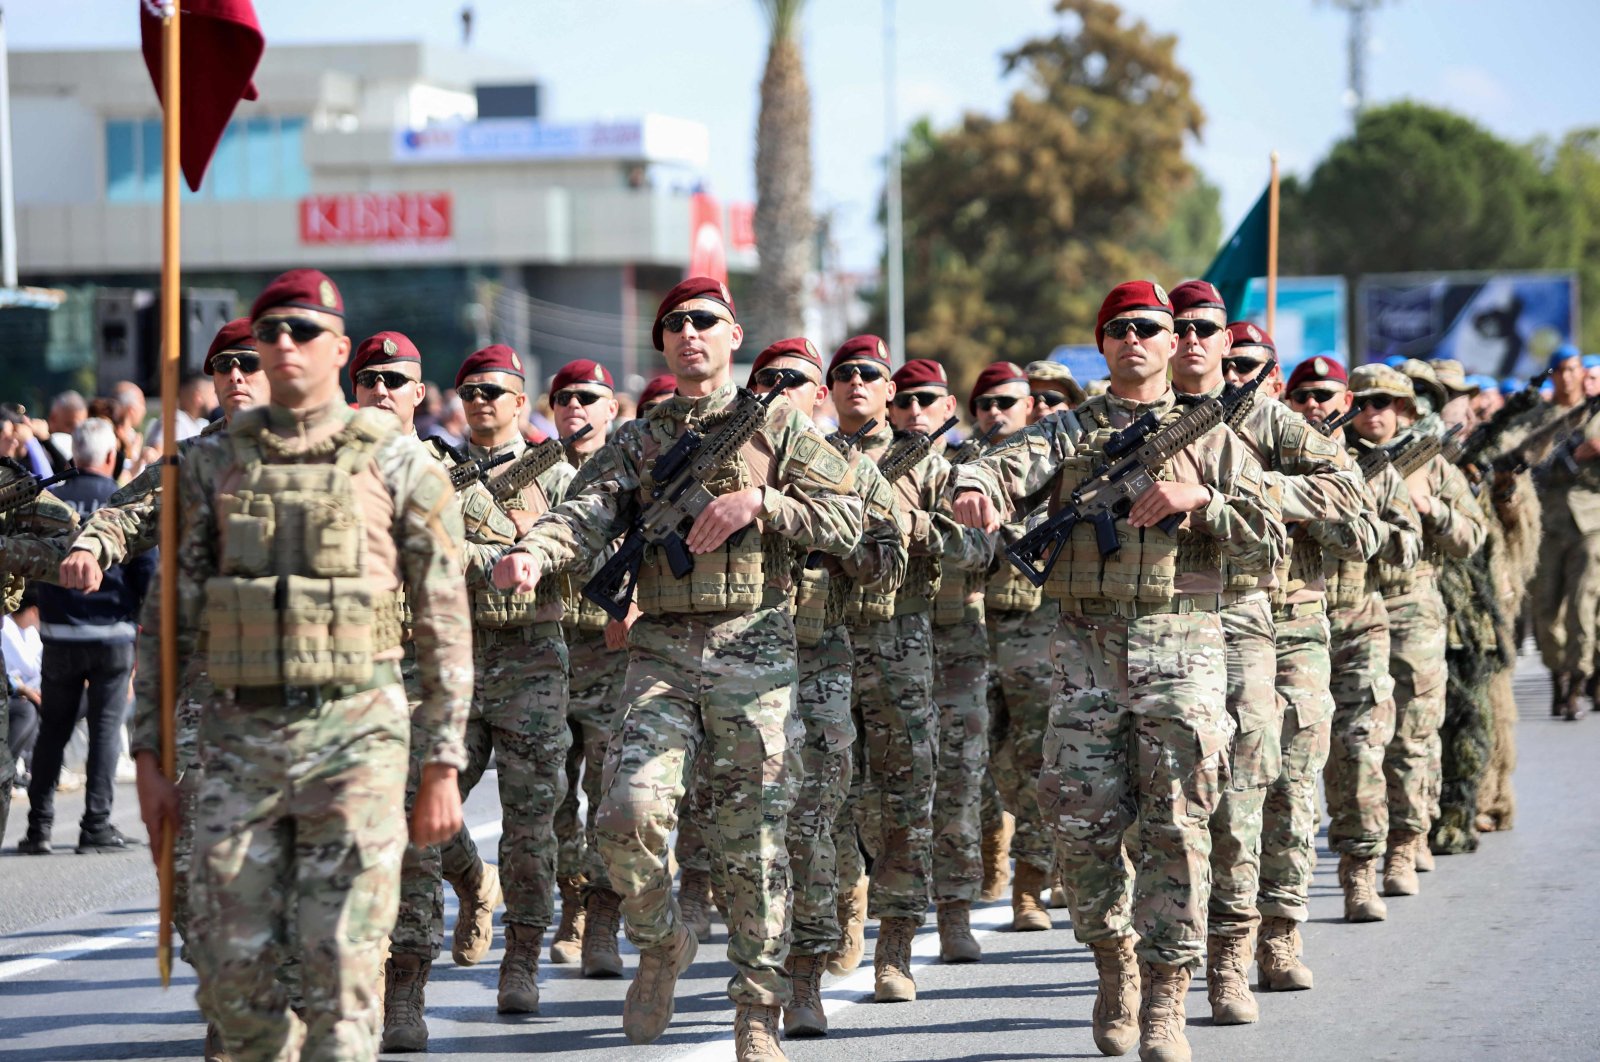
(656, 391)
(711, 659)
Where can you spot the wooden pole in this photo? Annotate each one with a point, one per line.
(170, 323)
(1272, 248)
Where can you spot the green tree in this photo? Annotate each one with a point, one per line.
(1575, 164)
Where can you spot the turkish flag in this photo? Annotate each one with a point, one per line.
(221, 44)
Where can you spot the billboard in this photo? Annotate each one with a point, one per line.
(375, 217)
(1502, 324)
(1310, 319)
(654, 138)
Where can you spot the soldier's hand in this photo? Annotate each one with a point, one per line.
(1164, 499)
(617, 630)
(722, 518)
(158, 800)
(1421, 500)
(80, 571)
(516, 573)
(523, 519)
(436, 816)
(972, 508)
(1587, 450)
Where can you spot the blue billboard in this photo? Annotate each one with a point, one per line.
(1502, 324)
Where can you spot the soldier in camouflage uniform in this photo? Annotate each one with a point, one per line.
(1140, 732)
(1451, 524)
(299, 526)
(922, 402)
(711, 659)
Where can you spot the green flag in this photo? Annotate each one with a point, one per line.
(1242, 258)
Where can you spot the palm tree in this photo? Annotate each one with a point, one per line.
(783, 220)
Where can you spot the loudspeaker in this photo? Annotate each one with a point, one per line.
(128, 333)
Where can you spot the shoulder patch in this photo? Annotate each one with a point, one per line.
(429, 490)
(814, 455)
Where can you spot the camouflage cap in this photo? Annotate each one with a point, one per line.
(1376, 378)
(1053, 372)
(1424, 382)
(1452, 376)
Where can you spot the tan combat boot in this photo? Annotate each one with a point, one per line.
(1116, 1001)
(1028, 913)
(694, 902)
(804, 1016)
(1358, 876)
(1161, 1017)
(403, 1026)
(479, 894)
(997, 858)
(852, 929)
(1228, 981)
(567, 947)
(956, 942)
(519, 970)
(1422, 855)
(1058, 889)
(891, 961)
(602, 910)
(1400, 865)
(647, 1011)
(1278, 964)
(215, 1050)
(755, 1034)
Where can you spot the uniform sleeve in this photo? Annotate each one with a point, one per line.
(1243, 514)
(600, 506)
(815, 504)
(124, 527)
(1316, 478)
(967, 548)
(1404, 546)
(38, 545)
(1358, 537)
(879, 560)
(1017, 474)
(1454, 522)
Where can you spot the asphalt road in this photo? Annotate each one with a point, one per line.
(1493, 961)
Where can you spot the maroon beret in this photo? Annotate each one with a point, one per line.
(991, 377)
(1245, 334)
(798, 347)
(381, 349)
(582, 371)
(861, 348)
(1128, 297)
(304, 289)
(1317, 370)
(1197, 295)
(921, 372)
(663, 386)
(498, 358)
(234, 336)
(693, 288)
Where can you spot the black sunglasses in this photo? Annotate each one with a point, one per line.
(567, 394)
(1202, 329)
(1313, 394)
(1378, 402)
(773, 379)
(300, 329)
(988, 402)
(393, 381)
(487, 392)
(923, 399)
(1143, 327)
(1051, 399)
(223, 364)
(703, 320)
(865, 373)
(1241, 366)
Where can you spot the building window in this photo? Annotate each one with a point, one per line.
(257, 158)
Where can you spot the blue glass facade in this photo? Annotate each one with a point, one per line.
(258, 158)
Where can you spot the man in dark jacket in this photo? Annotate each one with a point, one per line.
(88, 646)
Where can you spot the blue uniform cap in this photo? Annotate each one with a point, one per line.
(1394, 361)
(1565, 353)
(1510, 385)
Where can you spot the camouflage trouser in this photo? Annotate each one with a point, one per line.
(1022, 686)
(892, 691)
(519, 713)
(591, 710)
(1140, 734)
(722, 686)
(692, 849)
(1257, 760)
(193, 698)
(960, 689)
(1363, 725)
(419, 925)
(296, 806)
(849, 859)
(1565, 594)
(1416, 661)
(1290, 817)
(824, 778)
(8, 759)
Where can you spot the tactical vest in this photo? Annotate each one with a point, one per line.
(951, 604)
(1009, 591)
(1305, 567)
(1348, 581)
(820, 599)
(293, 602)
(492, 608)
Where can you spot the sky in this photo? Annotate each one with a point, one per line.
(1270, 74)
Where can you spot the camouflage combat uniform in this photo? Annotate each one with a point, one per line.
(711, 670)
(1566, 589)
(298, 529)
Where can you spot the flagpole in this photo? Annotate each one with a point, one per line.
(1272, 248)
(169, 458)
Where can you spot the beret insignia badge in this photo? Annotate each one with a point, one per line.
(325, 293)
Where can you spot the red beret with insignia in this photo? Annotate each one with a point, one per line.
(300, 289)
(693, 288)
(798, 347)
(1197, 295)
(663, 386)
(1130, 297)
(921, 372)
(582, 371)
(498, 358)
(234, 337)
(1317, 370)
(861, 348)
(383, 348)
(993, 376)
(1245, 334)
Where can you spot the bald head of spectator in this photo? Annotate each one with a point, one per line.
(133, 405)
(197, 396)
(67, 411)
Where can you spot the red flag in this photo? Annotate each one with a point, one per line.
(221, 45)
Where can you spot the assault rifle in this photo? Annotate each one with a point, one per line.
(1333, 424)
(1487, 434)
(535, 462)
(1565, 453)
(1132, 457)
(22, 491)
(469, 469)
(1406, 457)
(909, 448)
(678, 497)
(972, 449)
(845, 443)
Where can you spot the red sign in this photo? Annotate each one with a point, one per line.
(742, 226)
(707, 255)
(375, 217)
